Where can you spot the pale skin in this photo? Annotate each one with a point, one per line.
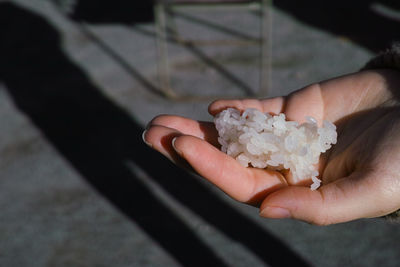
(360, 174)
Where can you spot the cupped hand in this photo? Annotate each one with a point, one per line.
(360, 177)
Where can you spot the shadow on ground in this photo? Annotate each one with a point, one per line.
(359, 21)
(97, 137)
(116, 11)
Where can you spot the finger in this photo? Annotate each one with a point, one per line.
(271, 105)
(335, 98)
(362, 90)
(160, 138)
(305, 102)
(243, 184)
(344, 200)
(202, 130)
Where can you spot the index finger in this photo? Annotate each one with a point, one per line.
(248, 185)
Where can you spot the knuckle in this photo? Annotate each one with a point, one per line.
(321, 220)
(161, 120)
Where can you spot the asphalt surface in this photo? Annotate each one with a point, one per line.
(79, 188)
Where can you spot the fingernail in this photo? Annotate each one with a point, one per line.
(144, 140)
(173, 145)
(275, 213)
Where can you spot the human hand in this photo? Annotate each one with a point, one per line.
(359, 173)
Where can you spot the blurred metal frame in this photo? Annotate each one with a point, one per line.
(166, 30)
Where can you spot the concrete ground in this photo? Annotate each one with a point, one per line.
(79, 188)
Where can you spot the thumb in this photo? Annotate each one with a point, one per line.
(346, 199)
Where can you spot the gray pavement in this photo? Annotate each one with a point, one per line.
(79, 188)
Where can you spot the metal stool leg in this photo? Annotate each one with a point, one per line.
(163, 21)
(163, 63)
(266, 43)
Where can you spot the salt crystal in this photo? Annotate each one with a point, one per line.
(262, 140)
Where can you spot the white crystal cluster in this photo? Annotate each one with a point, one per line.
(261, 140)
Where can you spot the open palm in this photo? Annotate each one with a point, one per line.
(359, 174)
